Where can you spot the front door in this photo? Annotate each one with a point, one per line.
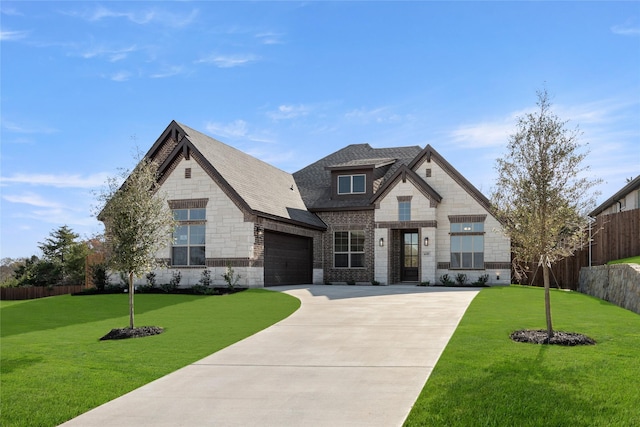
(410, 254)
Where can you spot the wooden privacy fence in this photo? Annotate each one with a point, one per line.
(89, 262)
(614, 236)
(11, 294)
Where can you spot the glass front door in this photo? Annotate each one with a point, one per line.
(410, 256)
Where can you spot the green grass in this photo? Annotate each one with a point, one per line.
(485, 379)
(54, 367)
(632, 260)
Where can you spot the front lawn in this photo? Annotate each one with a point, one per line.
(632, 260)
(485, 379)
(54, 367)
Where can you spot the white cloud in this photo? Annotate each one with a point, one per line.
(629, 28)
(168, 72)
(485, 134)
(235, 129)
(121, 76)
(27, 128)
(140, 17)
(6, 35)
(591, 117)
(59, 181)
(228, 61)
(113, 55)
(32, 199)
(375, 115)
(289, 112)
(10, 11)
(270, 38)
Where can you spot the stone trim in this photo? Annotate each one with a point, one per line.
(487, 266)
(234, 262)
(457, 219)
(407, 224)
(188, 203)
(404, 198)
(503, 265)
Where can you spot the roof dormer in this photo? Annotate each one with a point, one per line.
(356, 178)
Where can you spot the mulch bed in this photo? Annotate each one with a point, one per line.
(540, 336)
(122, 333)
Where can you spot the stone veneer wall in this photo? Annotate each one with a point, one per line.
(616, 283)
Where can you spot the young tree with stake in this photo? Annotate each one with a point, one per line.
(138, 223)
(542, 193)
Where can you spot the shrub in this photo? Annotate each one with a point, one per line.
(375, 283)
(425, 283)
(151, 279)
(482, 280)
(173, 283)
(204, 284)
(461, 279)
(99, 276)
(351, 282)
(446, 280)
(231, 277)
(205, 278)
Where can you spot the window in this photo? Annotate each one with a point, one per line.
(404, 211)
(189, 237)
(351, 184)
(467, 245)
(348, 249)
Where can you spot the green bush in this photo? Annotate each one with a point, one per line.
(461, 279)
(99, 276)
(482, 280)
(446, 280)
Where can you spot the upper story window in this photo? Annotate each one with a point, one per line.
(404, 210)
(188, 247)
(352, 184)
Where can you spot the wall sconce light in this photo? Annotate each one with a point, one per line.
(381, 242)
(498, 275)
(426, 241)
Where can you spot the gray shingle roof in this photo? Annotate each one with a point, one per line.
(264, 188)
(314, 181)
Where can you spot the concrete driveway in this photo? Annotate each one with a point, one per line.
(350, 356)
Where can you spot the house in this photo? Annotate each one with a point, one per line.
(361, 214)
(627, 198)
(615, 229)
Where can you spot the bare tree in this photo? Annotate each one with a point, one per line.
(543, 194)
(138, 223)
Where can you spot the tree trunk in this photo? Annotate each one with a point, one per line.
(131, 290)
(547, 299)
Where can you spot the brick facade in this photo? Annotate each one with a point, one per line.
(348, 221)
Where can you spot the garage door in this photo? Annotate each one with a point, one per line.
(287, 259)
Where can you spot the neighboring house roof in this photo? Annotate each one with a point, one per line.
(314, 180)
(634, 184)
(259, 187)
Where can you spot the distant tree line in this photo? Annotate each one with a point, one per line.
(62, 262)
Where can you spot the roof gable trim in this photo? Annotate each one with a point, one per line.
(430, 154)
(404, 174)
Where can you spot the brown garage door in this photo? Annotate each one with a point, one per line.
(287, 259)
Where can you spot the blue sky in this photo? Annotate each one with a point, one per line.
(84, 83)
